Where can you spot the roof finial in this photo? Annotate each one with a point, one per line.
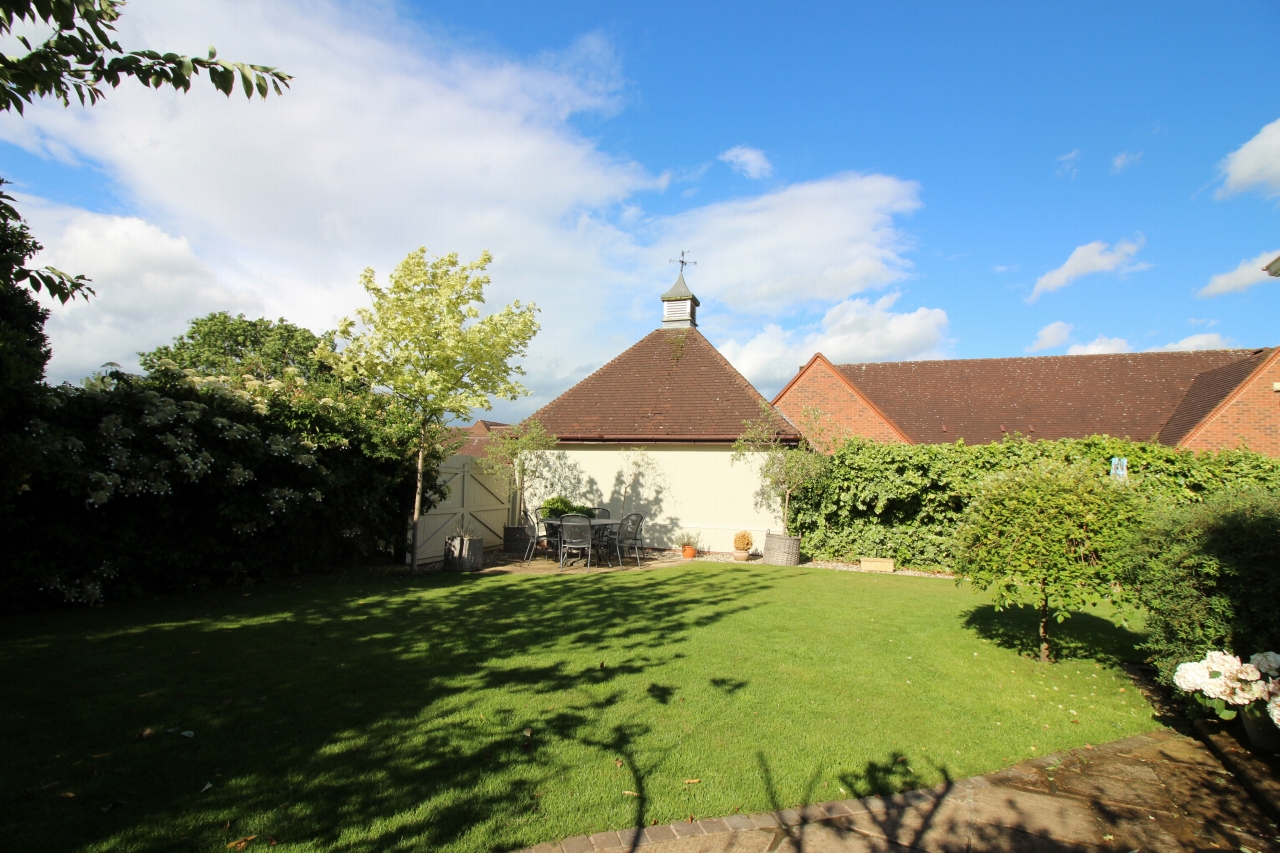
(682, 262)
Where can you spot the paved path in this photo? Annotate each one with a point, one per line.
(1156, 792)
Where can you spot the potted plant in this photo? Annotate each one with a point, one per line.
(518, 457)
(1221, 683)
(786, 466)
(689, 543)
(742, 546)
(464, 549)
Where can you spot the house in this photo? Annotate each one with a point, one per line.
(1204, 400)
(476, 437)
(652, 431)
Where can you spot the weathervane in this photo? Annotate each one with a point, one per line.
(682, 262)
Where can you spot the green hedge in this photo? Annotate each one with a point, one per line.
(1208, 576)
(905, 501)
(159, 484)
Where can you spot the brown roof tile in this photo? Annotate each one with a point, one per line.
(1207, 391)
(1124, 395)
(673, 385)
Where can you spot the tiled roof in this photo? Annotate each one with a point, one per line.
(1207, 391)
(477, 436)
(671, 386)
(1124, 395)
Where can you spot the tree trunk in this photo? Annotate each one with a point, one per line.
(786, 512)
(417, 498)
(1044, 625)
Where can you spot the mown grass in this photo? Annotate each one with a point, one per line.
(382, 712)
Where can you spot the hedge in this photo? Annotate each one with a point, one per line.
(905, 501)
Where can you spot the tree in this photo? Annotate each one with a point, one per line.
(424, 342)
(1051, 535)
(24, 352)
(77, 58)
(222, 345)
(518, 456)
(786, 465)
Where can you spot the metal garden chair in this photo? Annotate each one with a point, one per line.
(575, 535)
(628, 536)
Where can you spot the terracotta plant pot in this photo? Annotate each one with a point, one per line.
(741, 556)
(688, 551)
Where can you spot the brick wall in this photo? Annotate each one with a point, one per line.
(1252, 417)
(820, 388)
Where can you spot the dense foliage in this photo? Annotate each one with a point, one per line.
(906, 501)
(1209, 577)
(558, 506)
(1049, 535)
(171, 482)
(222, 345)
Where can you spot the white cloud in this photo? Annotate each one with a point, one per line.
(1124, 160)
(1090, 258)
(390, 139)
(748, 161)
(1254, 165)
(1100, 345)
(1053, 335)
(855, 330)
(148, 284)
(819, 241)
(1069, 164)
(1208, 340)
(1005, 268)
(1244, 276)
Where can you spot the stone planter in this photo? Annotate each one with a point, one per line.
(515, 540)
(688, 551)
(1263, 733)
(876, 564)
(781, 550)
(464, 554)
(741, 556)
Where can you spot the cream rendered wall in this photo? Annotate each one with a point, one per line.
(678, 487)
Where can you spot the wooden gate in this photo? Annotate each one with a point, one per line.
(474, 498)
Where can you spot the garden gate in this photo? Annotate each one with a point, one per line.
(474, 498)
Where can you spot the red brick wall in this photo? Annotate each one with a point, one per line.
(1252, 417)
(820, 388)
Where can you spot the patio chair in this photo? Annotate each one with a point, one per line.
(628, 536)
(530, 525)
(551, 532)
(599, 512)
(575, 535)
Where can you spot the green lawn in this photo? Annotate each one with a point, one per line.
(381, 712)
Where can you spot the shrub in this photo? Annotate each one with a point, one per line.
(1050, 535)
(742, 541)
(164, 484)
(905, 501)
(558, 506)
(1209, 577)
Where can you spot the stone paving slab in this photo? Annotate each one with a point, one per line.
(1155, 792)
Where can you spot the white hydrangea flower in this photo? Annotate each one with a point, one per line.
(1191, 676)
(1248, 672)
(1273, 708)
(1268, 662)
(1222, 662)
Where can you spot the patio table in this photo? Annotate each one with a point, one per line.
(598, 528)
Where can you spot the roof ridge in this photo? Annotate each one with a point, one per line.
(1245, 352)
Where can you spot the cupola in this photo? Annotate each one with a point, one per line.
(679, 306)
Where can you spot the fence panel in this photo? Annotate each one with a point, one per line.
(474, 498)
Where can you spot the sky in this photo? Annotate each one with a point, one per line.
(870, 181)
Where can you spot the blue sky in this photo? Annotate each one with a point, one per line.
(883, 181)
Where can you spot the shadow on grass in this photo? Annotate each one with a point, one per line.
(356, 720)
(1083, 636)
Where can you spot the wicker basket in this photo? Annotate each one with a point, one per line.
(781, 550)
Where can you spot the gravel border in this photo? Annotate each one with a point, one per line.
(827, 564)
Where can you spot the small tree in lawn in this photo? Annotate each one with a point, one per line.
(424, 342)
(786, 465)
(1052, 536)
(517, 456)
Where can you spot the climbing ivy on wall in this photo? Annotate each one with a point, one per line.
(905, 501)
